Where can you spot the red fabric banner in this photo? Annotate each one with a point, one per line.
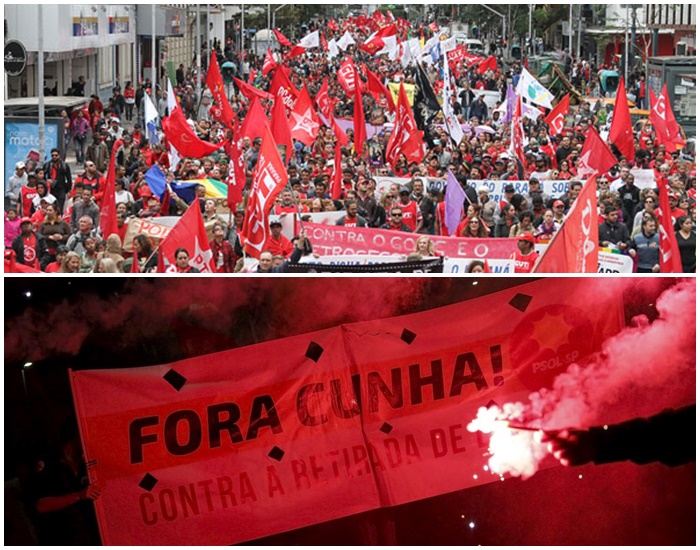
(555, 119)
(268, 181)
(269, 62)
(281, 88)
(279, 126)
(574, 248)
(330, 240)
(283, 40)
(263, 439)
(379, 90)
(189, 233)
(670, 255)
(255, 121)
(108, 210)
(596, 157)
(323, 100)
(358, 119)
(304, 122)
(181, 136)
(621, 133)
(661, 117)
(216, 86)
(405, 137)
(251, 92)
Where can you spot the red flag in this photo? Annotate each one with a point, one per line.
(574, 248)
(216, 86)
(669, 255)
(324, 42)
(296, 51)
(236, 170)
(332, 25)
(405, 137)
(359, 119)
(433, 26)
(282, 88)
(517, 146)
(372, 46)
(323, 100)
(283, 40)
(346, 76)
(304, 120)
(269, 62)
(135, 263)
(489, 63)
(621, 129)
(596, 158)
(336, 182)
(251, 91)
(181, 136)
(661, 117)
(255, 121)
(555, 119)
(108, 211)
(378, 90)
(269, 180)
(279, 125)
(189, 233)
(165, 203)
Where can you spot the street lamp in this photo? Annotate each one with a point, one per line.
(502, 16)
(274, 15)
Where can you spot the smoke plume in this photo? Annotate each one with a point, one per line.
(647, 367)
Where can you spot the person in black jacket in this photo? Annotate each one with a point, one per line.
(612, 233)
(668, 437)
(58, 172)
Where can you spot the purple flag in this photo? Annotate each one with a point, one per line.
(454, 202)
(511, 96)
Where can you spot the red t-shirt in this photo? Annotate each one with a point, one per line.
(30, 256)
(27, 195)
(525, 264)
(411, 214)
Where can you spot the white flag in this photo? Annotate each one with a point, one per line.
(529, 88)
(345, 41)
(311, 40)
(333, 50)
(453, 125)
(151, 120)
(172, 105)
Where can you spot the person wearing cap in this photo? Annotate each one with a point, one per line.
(508, 192)
(535, 188)
(526, 256)
(14, 185)
(489, 208)
(558, 208)
(411, 213)
(676, 212)
(276, 243)
(541, 172)
(30, 247)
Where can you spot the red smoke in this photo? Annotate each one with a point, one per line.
(145, 308)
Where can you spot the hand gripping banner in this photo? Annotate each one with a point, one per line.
(263, 439)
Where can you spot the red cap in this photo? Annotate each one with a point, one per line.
(529, 237)
(25, 219)
(558, 203)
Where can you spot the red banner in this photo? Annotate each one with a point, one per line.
(216, 86)
(574, 248)
(259, 440)
(330, 240)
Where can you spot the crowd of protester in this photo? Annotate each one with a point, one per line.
(52, 215)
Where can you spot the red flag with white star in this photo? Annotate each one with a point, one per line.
(304, 121)
(189, 233)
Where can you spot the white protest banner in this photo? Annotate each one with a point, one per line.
(460, 265)
(356, 259)
(614, 263)
(553, 188)
(643, 179)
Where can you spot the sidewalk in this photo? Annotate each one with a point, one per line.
(75, 168)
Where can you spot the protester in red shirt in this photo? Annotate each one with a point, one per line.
(526, 256)
(30, 247)
(278, 244)
(223, 253)
(412, 215)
